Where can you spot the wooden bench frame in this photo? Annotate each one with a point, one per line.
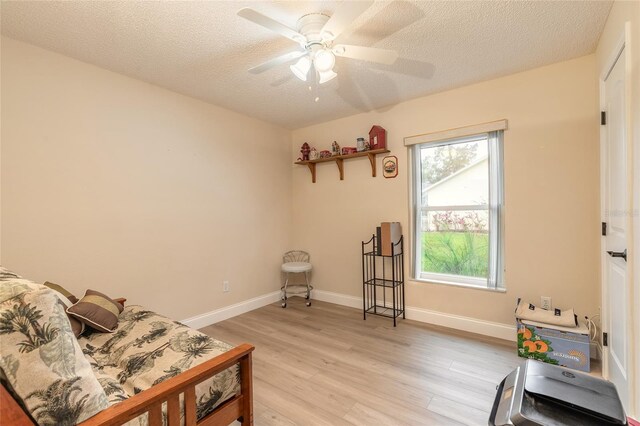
(240, 407)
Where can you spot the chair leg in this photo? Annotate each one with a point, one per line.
(306, 278)
(284, 292)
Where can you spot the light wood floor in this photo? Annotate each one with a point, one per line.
(324, 365)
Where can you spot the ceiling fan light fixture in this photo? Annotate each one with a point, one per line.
(326, 76)
(301, 68)
(316, 33)
(324, 60)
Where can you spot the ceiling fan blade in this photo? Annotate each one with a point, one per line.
(283, 59)
(346, 13)
(371, 54)
(271, 24)
(279, 82)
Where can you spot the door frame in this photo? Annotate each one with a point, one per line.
(622, 47)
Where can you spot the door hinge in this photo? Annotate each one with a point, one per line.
(603, 118)
(605, 339)
(604, 228)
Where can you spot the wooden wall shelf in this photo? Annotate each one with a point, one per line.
(339, 160)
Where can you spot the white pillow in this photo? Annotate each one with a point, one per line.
(530, 312)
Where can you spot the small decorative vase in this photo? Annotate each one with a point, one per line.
(360, 145)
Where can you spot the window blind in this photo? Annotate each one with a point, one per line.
(459, 132)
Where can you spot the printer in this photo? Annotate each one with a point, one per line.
(536, 393)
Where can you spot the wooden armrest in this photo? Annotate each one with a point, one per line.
(10, 412)
(153, 397)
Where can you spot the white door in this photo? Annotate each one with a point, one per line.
(616, 319)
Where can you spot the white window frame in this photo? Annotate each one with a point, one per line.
(495, 208)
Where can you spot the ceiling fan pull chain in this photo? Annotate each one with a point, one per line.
(313, 86)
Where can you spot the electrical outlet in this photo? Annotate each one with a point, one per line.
(545, 302)
(225, 286)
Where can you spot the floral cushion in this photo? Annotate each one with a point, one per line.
(148, 348)
(41, 358)
(112, 387)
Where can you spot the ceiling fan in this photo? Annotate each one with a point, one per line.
(316, 33)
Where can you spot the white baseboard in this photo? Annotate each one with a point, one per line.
(458, 322)
(472, 325)
(337, 298)
(227, 312)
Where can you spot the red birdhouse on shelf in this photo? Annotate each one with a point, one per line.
(377, 137)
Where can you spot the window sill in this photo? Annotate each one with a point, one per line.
(455, 284)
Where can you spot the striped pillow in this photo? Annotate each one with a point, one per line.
(97, 310)
(62, 290)
(76, 326)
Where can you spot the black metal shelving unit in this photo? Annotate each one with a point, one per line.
(383, 280)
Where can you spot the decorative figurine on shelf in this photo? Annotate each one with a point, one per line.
(305, 151)
(360, 144)
(335, 148)
(367, 145)
(349, 150)
(325, 154)
(313, 154)
(378, 137)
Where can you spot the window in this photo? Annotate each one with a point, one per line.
(458, 210)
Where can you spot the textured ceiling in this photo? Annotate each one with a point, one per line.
(203, 49)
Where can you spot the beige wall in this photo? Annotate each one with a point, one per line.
(622, 12)
(167, 196)
(551, 183)
(117, 185)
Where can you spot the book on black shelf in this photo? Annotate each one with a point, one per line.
(391, 232)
